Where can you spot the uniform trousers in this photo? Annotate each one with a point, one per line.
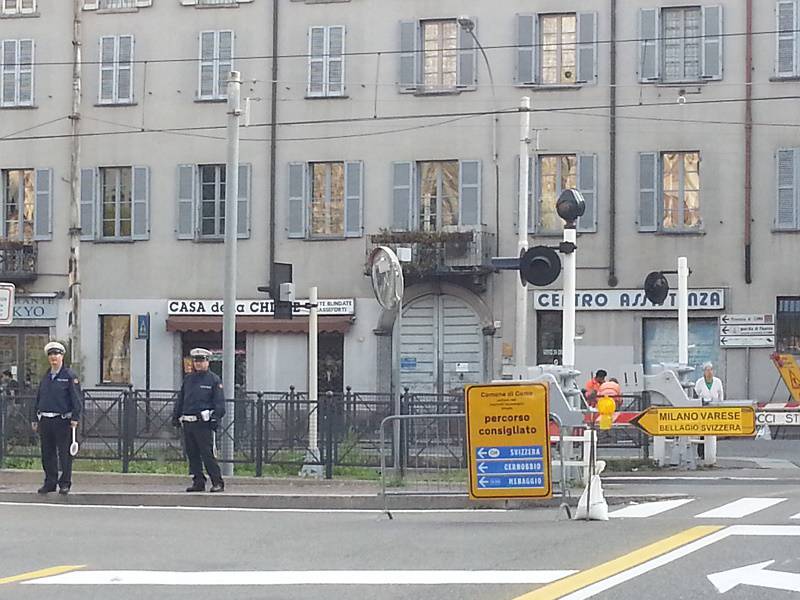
(56, 438)
(200, 451)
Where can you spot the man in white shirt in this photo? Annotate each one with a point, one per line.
(709, 388)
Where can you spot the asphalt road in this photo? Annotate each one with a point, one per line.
(174, 542)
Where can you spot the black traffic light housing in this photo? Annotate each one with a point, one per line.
(570, 206)
(656, 287)
(281, 273)
(539, 266)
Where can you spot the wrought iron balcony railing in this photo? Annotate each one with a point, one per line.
(18, 261)
(440, 253)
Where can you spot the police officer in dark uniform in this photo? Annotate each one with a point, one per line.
(54, 414)
(199, 408)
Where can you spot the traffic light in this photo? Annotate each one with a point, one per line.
(656, 287)
(539, 266)
(570, 205)
(281, 290)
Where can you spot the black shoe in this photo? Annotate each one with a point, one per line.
(64, 489)
(46, 489)
(218, 487)
(196, 488)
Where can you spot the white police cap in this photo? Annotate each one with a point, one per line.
(200, 353)
(55, 347)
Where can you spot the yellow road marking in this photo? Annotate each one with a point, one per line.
(41, 573)
(583, 579)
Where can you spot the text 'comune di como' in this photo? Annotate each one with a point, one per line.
(507, 425)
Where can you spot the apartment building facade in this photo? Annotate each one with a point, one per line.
(677, 120)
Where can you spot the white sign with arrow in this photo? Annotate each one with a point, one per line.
(756, 575)
(747, 319)
(744, 341)
(747, 331)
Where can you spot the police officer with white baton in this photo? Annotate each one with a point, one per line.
(198, 409)
(55, 414)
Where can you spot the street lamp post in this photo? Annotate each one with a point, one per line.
(468, 25)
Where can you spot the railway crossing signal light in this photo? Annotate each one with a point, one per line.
(656, 287)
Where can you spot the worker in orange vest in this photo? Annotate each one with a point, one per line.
(592, 387)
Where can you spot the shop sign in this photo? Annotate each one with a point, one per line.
(250, 308)
(35, 307)
(699, 299)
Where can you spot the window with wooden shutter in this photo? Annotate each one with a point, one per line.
(116, 69)
(788, 169)
(16, 73)
(215, 64)
(326, 61)
(17, 7)
(787, 51)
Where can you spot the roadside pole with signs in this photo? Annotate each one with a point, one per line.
(747, 331)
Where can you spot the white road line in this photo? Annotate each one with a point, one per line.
(265, 578)
(665, 559)
(648, 509)
(797, 516)
(372, 511)
(739, 508)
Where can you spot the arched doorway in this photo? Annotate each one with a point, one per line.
(442, 345)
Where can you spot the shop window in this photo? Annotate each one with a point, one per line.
(787, 321)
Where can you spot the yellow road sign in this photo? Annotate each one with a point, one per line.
(508, 441)
(706, 420)
(790, 373)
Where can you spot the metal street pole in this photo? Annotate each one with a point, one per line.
(229, 300)
(74, 201)
(312, 465)
(568, 324)
(683, 312)
(521, 337)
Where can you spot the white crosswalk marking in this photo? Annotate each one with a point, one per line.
(739, 508)
(797, 516)
(648, 509)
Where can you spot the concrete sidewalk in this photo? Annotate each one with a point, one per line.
(114, 489)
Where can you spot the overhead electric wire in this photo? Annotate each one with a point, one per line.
(403, 117)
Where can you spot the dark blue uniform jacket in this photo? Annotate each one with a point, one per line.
(200, 391)
(61, 394)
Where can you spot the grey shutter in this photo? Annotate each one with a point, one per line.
(649, 44)
(353, 198)
(316, 61)
(125, 68)
(648, 191)
(243, 201)
(469, 181)
(106, 84)
(526, 49)
(467, 59)
(141, 203)
(587, 185)
(409, 59)
(786, 52)
(335, 61)
(187, 178)
(88, 195)
(43, 211)
(587, 47)
(25, 67)
(224, 56)
(712, 42)
(402, 195)
(786, 213)
(297, 200)
(205, 86)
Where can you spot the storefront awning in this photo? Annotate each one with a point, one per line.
(339, 324)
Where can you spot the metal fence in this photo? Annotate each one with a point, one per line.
(268, 428)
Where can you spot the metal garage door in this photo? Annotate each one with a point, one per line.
(441, 345)
(661, 344)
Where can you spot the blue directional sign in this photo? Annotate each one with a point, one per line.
(517, 481)
(509, 467)
(509, 452)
